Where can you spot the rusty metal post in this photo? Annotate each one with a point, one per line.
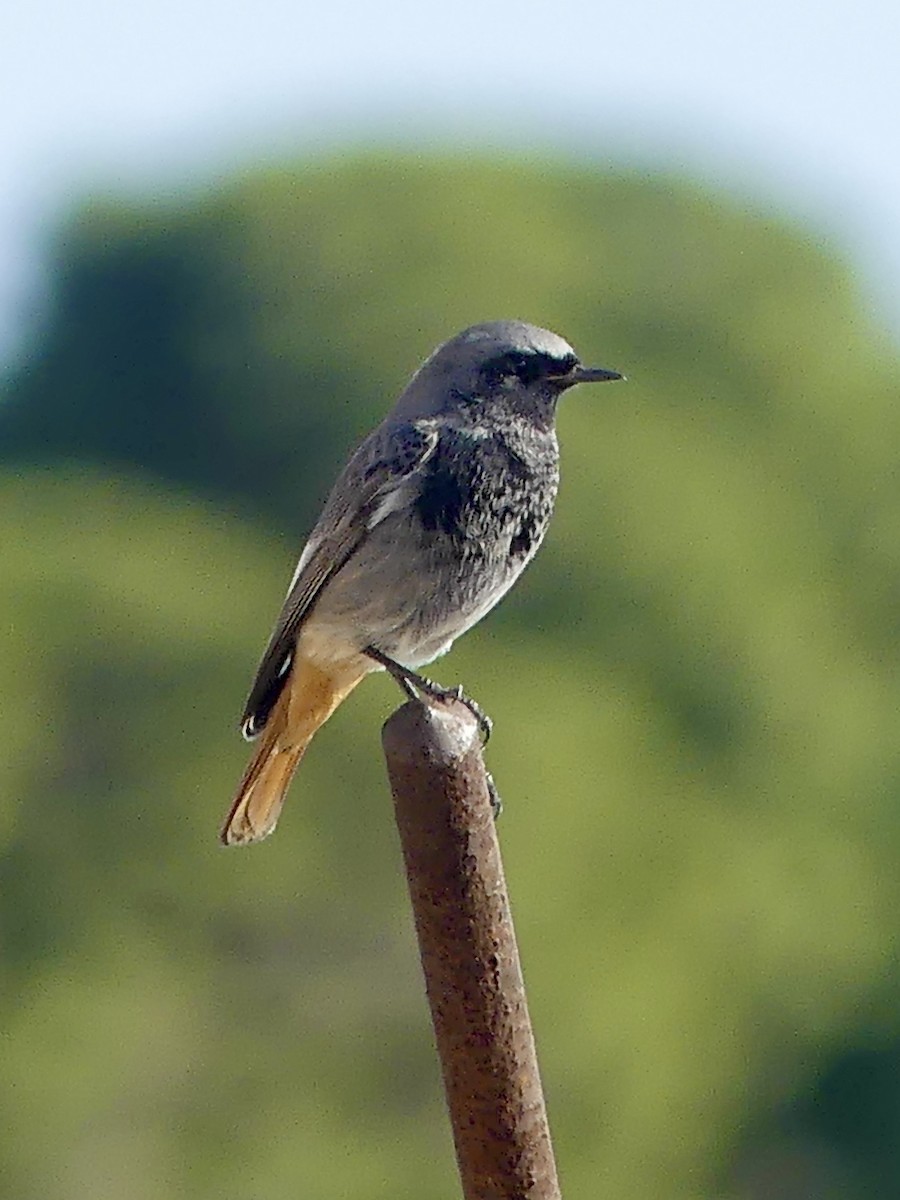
(469, 954)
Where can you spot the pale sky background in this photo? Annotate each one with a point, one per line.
(795, 103)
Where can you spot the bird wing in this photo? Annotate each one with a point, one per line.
(367, 490)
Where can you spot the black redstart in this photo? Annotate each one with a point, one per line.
(430, 523)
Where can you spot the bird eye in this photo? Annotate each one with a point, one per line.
(512, 365)
(520, 365)
(527, 367)
(565, 365)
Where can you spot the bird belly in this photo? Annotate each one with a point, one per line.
(410, 596)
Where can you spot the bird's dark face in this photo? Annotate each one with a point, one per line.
(527, 375)
(527, 368)
(496, 371)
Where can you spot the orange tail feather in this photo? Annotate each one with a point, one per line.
(309, 698)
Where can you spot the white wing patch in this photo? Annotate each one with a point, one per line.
(305, 556)
(397, 493)
(392, 501)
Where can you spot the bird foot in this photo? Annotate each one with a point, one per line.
(416, 686)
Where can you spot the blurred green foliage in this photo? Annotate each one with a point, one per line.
(695, 691)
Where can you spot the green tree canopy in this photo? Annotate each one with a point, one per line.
(695, 688)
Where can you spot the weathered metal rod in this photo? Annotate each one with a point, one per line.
(469, 954)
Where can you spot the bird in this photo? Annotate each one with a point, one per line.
(432, 520)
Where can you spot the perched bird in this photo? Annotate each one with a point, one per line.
(432, 520)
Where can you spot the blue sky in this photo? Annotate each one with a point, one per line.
(797, 102)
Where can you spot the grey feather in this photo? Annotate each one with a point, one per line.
(371, 485)
(437, 512)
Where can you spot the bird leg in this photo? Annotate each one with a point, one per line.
(416, 686)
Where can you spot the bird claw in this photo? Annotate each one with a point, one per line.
(485, 724)
(413, 683)
(493, 796)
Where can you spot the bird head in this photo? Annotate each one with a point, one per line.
(500, 367)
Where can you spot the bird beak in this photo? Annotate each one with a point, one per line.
(582, 374)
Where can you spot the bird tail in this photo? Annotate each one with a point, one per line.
(305, 704)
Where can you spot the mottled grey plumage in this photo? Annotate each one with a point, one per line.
(429, 524)
(439, 509)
